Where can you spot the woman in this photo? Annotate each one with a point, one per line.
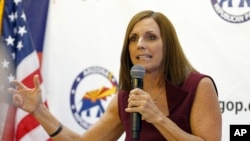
(176, 103)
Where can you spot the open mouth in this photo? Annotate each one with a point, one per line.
(143, 57)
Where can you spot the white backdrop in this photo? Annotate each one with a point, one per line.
(85, 33)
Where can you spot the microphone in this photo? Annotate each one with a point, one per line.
(137, 72)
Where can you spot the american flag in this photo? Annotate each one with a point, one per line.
(20, 46)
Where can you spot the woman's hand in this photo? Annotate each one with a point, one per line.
(141, 102)
(25, 98)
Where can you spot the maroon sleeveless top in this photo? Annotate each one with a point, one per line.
(180, 100)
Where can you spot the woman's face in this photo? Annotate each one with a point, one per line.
(145, 44)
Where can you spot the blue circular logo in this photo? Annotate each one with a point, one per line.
(233, 11)
(90, 93)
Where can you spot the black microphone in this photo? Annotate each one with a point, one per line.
(137, 72)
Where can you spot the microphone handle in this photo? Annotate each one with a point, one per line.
(136, 117)
(136, 125)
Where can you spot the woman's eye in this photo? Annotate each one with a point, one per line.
(133, 38)
(151, 37)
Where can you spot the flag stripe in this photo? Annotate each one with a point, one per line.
(34, 135)
(27, 66)
(28, 81)
(26, 125)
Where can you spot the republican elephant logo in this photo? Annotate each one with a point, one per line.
(90, 94)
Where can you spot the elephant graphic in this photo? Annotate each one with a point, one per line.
(93, 98)
(230, 3)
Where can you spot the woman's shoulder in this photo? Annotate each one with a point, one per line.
(200, 80)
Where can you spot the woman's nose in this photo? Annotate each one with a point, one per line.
(141, 44)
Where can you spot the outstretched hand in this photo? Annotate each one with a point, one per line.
(27, 99)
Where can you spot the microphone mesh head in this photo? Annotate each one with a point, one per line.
(137, 71)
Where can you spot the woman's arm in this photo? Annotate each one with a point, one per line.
(51, 125)
(205, 119)
(30, 101)
(107, 128)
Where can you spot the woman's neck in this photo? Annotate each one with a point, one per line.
(151, 83)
